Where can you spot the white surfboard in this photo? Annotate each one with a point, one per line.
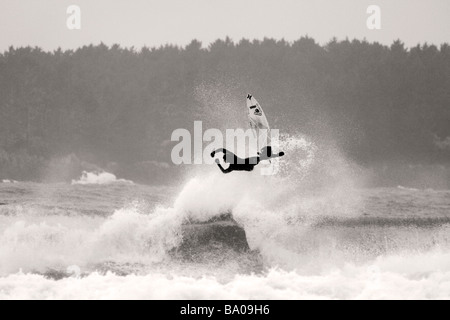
(256, 114)
(258, 121)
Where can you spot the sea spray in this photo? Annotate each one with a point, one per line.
(98, 178)
(391, 277)
(129, 236)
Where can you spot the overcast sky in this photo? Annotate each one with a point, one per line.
(155, 22)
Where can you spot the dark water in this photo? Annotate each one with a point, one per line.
(207, 240)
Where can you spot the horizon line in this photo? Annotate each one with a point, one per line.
(230, 40)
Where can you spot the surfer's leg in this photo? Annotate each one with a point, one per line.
(278, 155)
(269, 151)
(266, 153)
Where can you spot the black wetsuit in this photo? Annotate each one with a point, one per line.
(247, 164)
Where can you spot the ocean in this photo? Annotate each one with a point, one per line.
(214, 236)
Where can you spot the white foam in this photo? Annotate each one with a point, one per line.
(407, 189)
(391, 277)
(140, 235)
(99, 178)
(268, 208)
(130, 235)
(9, 181)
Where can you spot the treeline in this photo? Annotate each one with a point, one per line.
(117, 107)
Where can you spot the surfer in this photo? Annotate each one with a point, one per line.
(247, 164)
(258, 122)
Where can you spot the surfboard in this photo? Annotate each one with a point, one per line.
(258, 121)
(256, 115)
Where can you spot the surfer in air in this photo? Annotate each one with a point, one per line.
(247, 164)
(260, 126)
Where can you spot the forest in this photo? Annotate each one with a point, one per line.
(114, 108)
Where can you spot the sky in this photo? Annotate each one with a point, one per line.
(152, 23)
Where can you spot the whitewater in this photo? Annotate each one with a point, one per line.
(312, 232)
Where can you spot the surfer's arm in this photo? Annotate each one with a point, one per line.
(228, 156)
(224, 171)
(221, 150)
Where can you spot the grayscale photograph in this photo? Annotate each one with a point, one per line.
(212, 150)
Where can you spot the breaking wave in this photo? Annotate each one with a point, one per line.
(99, 178)
(8, 181)
(312, 233)
(391, 277)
